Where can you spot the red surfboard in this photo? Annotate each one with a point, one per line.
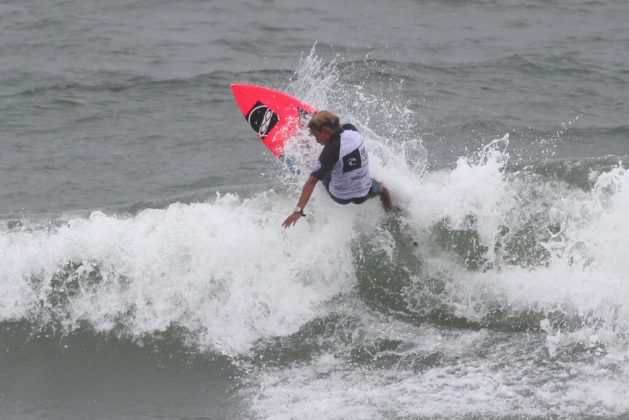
(273, 115)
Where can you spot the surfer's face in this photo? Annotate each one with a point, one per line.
(323, 135)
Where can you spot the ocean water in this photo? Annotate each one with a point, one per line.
(144, 273)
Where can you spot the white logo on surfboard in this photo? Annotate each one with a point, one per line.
(262, 119)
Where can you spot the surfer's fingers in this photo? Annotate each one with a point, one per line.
(290, 221)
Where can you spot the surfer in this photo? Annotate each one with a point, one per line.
(343, 166)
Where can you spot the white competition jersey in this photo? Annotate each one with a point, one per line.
(344, 162)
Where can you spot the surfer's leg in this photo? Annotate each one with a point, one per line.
(385, 198)
(378, 188)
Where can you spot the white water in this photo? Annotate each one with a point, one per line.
(225, 270)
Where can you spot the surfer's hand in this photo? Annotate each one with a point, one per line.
(291, 220)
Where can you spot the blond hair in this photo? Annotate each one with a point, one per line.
(324, 119)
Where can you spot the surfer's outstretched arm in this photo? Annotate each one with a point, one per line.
(306, 192)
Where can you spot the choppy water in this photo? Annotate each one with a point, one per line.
(143, 268)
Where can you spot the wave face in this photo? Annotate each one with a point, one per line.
(500, 290)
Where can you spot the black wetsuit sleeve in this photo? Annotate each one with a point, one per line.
(327, 159)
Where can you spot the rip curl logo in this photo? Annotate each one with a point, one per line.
(262, 119)
(352, 161)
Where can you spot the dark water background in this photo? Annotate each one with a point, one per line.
(131, 290)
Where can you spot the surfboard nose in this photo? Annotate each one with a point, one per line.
(238, 88)
(273, 115)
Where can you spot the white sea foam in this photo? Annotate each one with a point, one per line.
(225, 270)
(326, 388)
(443, 373)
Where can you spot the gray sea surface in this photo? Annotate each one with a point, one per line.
(144, 272)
